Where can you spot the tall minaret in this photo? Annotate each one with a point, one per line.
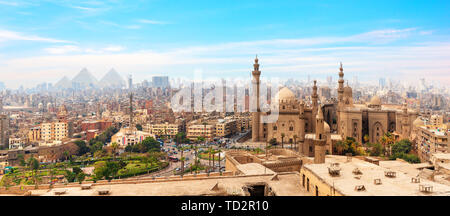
(314, 98)
(255, 99)
(340, 89)
(301, 128)
(319, 140)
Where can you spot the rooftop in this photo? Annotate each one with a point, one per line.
(346, 182)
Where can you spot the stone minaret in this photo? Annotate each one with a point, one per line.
(314, 98)
(256, 115)
(301, 116)
(319, 141)
(405, 121)
(340, 89)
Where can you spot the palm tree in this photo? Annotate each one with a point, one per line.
(66, 155)
(199, 139)
(213, 152)
(219, 151)
(34, 167)
(114, 147)
(182, 159)
(282, 140)
(209, 158)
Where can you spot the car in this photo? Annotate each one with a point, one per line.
(178, 169)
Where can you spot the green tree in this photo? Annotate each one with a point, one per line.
(139, 127)
(114, 147)
(70, 176)
(21, 160)
(82, 147)
(80, 177)
(34, 165)
(403, 146)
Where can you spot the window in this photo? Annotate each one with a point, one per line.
(291, 128)
(275, 127)
(307, 184)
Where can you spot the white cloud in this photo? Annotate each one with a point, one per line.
(70, 49)
(114, 48)
(154, 22)
(62, 49)
(294, 58)
(6, 35)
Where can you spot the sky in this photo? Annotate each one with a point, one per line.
(43, 41)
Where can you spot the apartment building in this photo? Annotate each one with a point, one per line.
(54, 131)
(163, 129)
(208, 131)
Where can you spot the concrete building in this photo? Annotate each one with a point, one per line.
(208, 131)
(226, 127)
(54, 130)
(165, 129)
(4, 127)
(126, 137)
(343, 176)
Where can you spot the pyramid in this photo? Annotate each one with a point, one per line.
(64, 83)
(84, 78)
(112, 79)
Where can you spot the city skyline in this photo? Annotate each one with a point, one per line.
(45, 41)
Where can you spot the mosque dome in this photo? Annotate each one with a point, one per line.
(375, 100)
(285, 94)
(347, 91)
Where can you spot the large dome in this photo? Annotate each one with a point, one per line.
(375, 101)
(285, 94)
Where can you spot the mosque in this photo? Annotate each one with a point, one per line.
(307, 125)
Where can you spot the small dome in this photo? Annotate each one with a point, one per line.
(375, 101)
(418, 122)
(347, 90)
(285, 94)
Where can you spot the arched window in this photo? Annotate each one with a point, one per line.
(291, 128)
(275, 127)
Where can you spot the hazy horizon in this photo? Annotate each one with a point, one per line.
(45, 41)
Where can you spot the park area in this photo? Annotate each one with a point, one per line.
(84, 169)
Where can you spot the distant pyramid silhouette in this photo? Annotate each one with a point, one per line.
(84, 78)
(64, 83)
(112, 79)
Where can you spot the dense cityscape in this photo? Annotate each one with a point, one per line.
(224, 106)
(89, 131)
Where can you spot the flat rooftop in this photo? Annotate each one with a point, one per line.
(288, 184)
(398, 186)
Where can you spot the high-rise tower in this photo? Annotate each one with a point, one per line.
(256, 115)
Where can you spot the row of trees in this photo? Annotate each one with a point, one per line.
(149, 144)
(387, 146)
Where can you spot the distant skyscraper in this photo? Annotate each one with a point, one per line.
(160, 81)
(130, 81)
(382, 82)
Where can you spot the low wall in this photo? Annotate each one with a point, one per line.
(21, 190)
